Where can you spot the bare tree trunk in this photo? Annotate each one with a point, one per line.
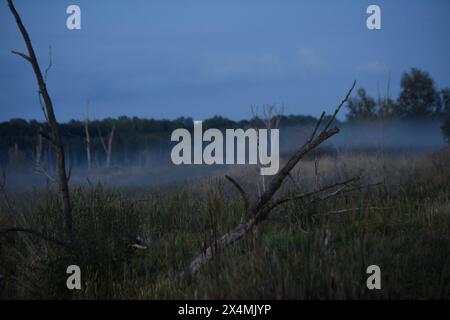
(39, 151)
(108, 154)
(107, 148)
(55, 136)
(270, 119)
(88, 138)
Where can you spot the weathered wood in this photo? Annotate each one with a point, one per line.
(110, 141)
(88, 137)
(34, 233)
(107, 148)
(261, 208)
(56, 135)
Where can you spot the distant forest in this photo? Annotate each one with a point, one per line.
(136, 141)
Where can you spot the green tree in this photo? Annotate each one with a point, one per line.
(361, 107)
(418, 97)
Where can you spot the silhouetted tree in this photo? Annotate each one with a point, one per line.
(446, 128)
(418, 97)
(361, 107)
(55, 137)
(445, 101)
(386, 108)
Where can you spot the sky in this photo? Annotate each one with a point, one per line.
(167, 59)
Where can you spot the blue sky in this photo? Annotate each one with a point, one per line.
(165, 59)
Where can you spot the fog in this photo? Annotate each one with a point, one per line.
(389, 136)
(157, 170)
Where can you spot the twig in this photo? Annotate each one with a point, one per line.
(21, 54)
(341, 211)
(317, 126)
(35, 234)
(313, 193)
(39, 169)
(49, 63)
(340, 106)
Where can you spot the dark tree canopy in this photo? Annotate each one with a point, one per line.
(445, 101)
(135, 138)
(418, 96)
(418, 100)
(361, 107)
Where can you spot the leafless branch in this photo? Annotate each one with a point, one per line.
(102, 139)
(317, 126)
(23, 55)
(88, 137)
(41, 170)
(59, 148)
(49, 63)
(342, 211)
(33, 233)
(42, 106)
(333, 117)
(317, 192)
(262, 207)
(69, 174)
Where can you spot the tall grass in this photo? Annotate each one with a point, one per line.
(304, 251)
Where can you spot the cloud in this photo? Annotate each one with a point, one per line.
(307, 55)
(311, 61)
(373, 68)
(261, 67)
(245, 67)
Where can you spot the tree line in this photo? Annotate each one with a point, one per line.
(418, 99)
(136, 141)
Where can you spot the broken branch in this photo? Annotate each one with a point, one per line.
(23, 55)
(261, 208)
(35, 234)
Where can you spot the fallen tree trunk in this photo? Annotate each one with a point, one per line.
(261, 208)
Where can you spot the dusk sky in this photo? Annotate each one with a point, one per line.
(166, 59)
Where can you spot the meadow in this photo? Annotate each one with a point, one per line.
(309, 232)
(135, 242)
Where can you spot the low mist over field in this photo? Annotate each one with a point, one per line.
(242, 150)
(149, 164)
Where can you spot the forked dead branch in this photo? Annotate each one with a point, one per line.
(55, 136)
(262, 207)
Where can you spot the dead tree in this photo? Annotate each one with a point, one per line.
(107, 147)
(39, 149)
(272, 116)
(270, 119)
(88, 138)
(261, 208)
(55, 136)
